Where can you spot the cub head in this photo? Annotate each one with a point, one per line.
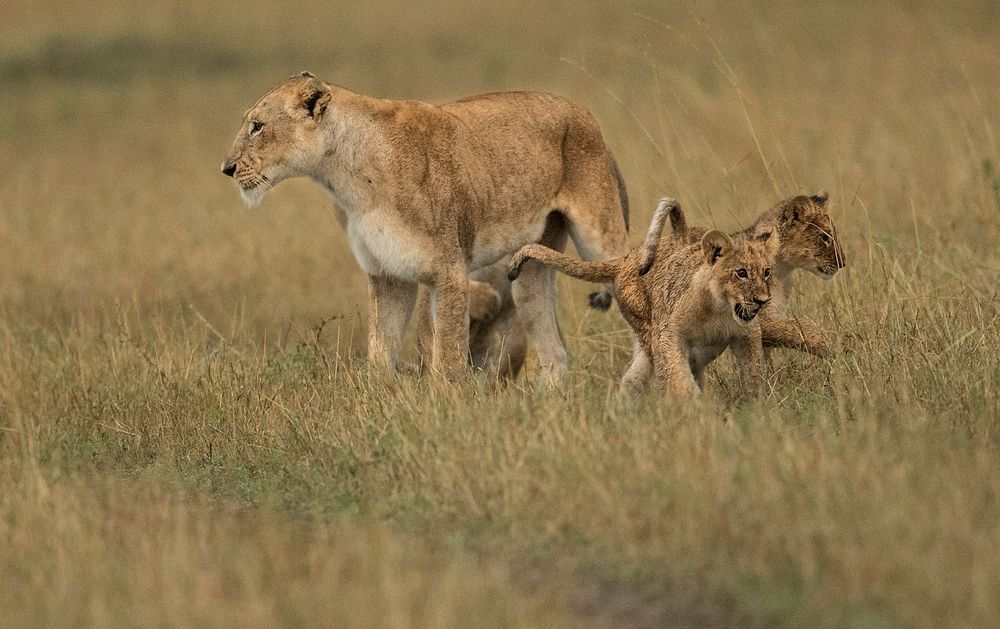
(740, 271)
(278, 138)
(808, 237)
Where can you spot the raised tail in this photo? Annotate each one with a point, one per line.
(598, 271)
(666, 206)
(678, 222)
(601, 300)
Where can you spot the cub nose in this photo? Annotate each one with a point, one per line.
(229, 169)
(761, 302)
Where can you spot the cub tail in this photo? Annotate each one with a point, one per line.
(598, 271)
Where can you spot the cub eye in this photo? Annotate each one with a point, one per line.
(767, 274)
(827, 241)
(742, 274)
(255, 127)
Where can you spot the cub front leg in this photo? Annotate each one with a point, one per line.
(803, 335)
(636, 376)
(672, 369)
(390, 304)
(749, 355)
(450, 355)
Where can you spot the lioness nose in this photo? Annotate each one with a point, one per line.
(229, 169)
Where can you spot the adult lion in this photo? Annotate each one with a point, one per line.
(428, 193)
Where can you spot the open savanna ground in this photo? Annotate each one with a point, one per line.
(189, 435)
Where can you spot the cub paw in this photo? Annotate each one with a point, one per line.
(484, 301)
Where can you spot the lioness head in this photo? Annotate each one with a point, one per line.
(808, 237)
(740, 271)
(278, 139)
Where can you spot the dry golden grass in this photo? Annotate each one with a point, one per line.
(184, 441)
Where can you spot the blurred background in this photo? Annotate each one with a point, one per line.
(188, 435)
(115, 116)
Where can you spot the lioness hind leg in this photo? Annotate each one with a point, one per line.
(534, 295)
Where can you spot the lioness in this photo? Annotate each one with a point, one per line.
(688, 306)
(427, 193)
(497, 341)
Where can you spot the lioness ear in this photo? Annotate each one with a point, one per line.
(820, 198)
(715, 244)
(314, 96)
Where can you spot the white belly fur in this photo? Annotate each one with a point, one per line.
(383, 246)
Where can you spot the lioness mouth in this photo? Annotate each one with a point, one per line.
(745, 313)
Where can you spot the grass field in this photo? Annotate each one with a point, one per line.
(189, 435)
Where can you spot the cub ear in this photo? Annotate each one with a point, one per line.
(771, 240)
(820, 198)
(794, 210)
(314, 96)
(715, 244)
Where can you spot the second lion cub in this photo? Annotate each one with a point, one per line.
(688, 306)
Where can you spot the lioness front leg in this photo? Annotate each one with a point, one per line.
(450, 355)
(484, 305)
(797, 334)
(749, 355)
(390, 304)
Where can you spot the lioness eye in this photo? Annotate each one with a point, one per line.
(255, 127)
(742, 274)
(767, 274)
(826, 240)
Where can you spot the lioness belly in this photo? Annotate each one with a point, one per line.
(496, 240)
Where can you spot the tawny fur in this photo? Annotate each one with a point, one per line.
(497, 340)
(808, 241)
(695, 301)
(427, 193)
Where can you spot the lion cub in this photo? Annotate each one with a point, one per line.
(498, 342)
(686, 305)
(808, 241)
